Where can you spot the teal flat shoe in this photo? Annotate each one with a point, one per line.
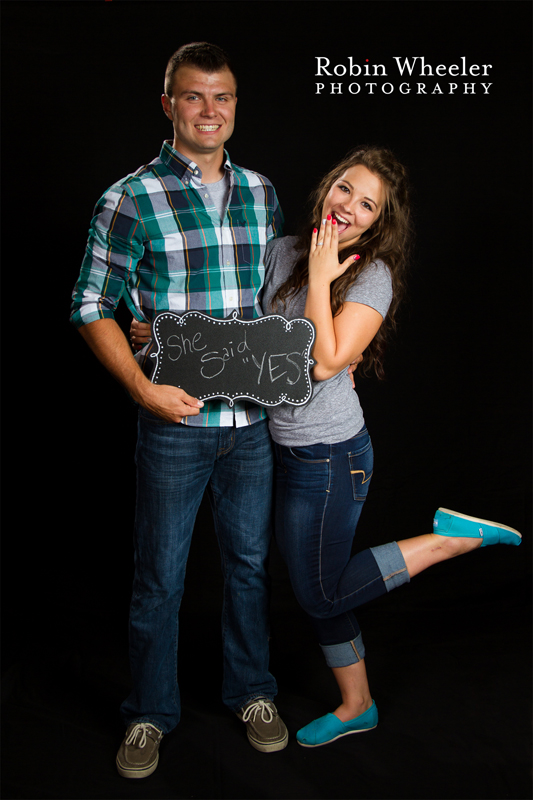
(451, 523)
(327, 729)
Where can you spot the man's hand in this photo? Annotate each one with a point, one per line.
(111, 347)
(353, 366)
(170, 403)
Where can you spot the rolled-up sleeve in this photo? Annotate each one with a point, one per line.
(114, 249)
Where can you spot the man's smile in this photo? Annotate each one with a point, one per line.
(208, 128)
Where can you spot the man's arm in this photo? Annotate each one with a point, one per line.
(108, 343)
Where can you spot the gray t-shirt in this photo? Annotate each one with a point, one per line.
(334, 413)
(219, 193)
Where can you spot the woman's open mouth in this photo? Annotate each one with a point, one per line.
(342, 223)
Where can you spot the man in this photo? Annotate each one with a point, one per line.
(188, 231)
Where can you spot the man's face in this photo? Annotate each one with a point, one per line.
(202, 110)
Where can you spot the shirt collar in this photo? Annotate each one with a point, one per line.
(183, 167)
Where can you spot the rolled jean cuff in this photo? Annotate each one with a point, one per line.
(344, 654)
(391, 565)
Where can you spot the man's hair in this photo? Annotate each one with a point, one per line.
(202, 55)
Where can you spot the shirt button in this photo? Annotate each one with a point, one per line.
(206, 195)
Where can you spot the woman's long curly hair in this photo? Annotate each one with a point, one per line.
(388, 238)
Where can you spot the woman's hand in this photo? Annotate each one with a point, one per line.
(339, 341)
(353, 366)
(324, 266)
(140, 334)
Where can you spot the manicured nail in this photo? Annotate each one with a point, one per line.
(334, 222)
(356, 257)
(329, 216)
(314, 230)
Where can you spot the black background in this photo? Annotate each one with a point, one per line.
(449, 655)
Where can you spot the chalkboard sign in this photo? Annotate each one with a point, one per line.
(266, 360)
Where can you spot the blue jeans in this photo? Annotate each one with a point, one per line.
(175, 464)
(320, 492)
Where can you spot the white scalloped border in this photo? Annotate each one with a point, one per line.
(283, 398)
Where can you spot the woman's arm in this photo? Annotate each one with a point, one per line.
(338, 340)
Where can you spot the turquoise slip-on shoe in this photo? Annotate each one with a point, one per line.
(451, 523)
(327, 729)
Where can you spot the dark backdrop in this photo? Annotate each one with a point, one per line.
(448, 655)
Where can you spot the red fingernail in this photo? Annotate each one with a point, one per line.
(356, 257)
(329, 216)
(334, 222)
(314, 230)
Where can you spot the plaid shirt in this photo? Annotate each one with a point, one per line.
(157, 240)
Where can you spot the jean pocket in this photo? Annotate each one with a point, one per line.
(361, 470)
(307, 455)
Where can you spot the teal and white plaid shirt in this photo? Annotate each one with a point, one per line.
(156, 239)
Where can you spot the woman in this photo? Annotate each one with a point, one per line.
(347, 276)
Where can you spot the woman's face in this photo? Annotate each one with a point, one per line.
(354, 201)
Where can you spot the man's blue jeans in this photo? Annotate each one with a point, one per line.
(175, 464)
(320, 492)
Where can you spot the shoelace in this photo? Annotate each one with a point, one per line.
(141, 727)
(259, 705)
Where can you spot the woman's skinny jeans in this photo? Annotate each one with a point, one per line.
(320, 491)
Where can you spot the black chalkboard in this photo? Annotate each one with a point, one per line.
(266, 360)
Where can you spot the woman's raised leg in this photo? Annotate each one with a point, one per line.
(453, 535)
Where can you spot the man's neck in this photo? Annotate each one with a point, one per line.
(211, 164)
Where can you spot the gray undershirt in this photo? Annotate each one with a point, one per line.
(219, 193)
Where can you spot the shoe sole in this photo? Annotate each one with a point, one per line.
(137, 773)
(481, 521)
(271, 747)
(348, 733)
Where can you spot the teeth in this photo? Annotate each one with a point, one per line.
(341, 219)
(207, 127)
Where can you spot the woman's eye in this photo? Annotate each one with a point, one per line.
(344, 189)
(367, 206)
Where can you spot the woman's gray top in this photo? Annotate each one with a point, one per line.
(334, 413)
